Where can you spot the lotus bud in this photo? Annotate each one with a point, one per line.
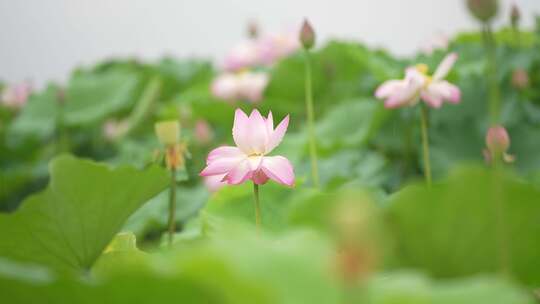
(168, 132)
(515, 16)
(253, 29)
(483, 10)
(520, 79)
(497, 138)
(307, 35)
(498, 143)
(203, 132)
(61, 96)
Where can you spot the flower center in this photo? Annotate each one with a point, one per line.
(424, 69)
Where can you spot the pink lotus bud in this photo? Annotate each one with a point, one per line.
(520, 79)
(497, 139)
(497, 142)
(515, 16)
(307, 35)
(61, 96)
(483, 10)
(253, 29)
(203, 132)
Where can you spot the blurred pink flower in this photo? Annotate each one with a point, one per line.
(276, 46)
(203, 132)
(261, 51)
(433, 90)
(244, 55)
(255, 137)
(245, 85)
(114, 129)
(436, 42)
(16, 95)
(214, 182)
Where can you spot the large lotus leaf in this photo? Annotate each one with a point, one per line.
(67, 226)
(38, 117)
(476, 221)
(90, 97)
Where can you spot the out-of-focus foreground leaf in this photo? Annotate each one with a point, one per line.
(477, 221)
(67, 226)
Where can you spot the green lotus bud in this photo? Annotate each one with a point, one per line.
(168, 132)
(307, 35)
(483, 10)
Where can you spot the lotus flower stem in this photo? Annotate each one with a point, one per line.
(311, 122)
(502, 230)
(257, 206)
(172, 206)
(425, 144)
(494, 94)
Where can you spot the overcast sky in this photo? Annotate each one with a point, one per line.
(44, 40)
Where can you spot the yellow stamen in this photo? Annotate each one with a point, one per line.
(422, 68)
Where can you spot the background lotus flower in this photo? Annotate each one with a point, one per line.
(255, 137)
(261, 51)
(244, 55)
(247, 86)
(277, 46)
(433, 90)
(113, 129)
(16, 95)
(203, 132)
(520, 79)
(437, 42)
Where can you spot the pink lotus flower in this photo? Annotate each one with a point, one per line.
(214, 182)
(247, 86)
(255, 138)
(433, 90)
(16, 95)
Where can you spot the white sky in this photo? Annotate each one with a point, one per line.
(44, 40)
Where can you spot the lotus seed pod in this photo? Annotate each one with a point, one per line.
(168, 132)
(483, 10)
